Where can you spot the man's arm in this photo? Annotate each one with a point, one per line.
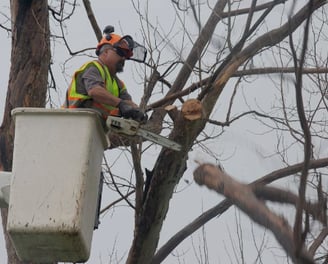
(94, 85)
(100, 95)
(96, 90)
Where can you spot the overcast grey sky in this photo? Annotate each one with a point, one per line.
(239, 150)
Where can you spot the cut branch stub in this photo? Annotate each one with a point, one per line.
(192, 109)
(172, 111)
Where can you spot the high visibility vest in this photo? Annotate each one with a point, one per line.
(76, 100)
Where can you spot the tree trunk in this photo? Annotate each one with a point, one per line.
(166, 174)
(30, 58)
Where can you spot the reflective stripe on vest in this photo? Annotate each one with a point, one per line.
(75, 99)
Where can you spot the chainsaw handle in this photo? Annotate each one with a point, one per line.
(122, 126)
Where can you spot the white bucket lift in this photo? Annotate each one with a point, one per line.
(55, 183)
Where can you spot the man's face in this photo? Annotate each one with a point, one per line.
(114, 61)
(120, 65)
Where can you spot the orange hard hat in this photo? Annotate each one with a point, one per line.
(124, 45)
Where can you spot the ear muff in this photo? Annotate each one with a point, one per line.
(125, 46)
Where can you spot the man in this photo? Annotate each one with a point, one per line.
(96, 85)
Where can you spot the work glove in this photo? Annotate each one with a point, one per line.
(128, 111)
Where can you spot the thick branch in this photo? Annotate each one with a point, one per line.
(220, 208)
(318, 241)
(274, 194)
(92, 19)
(243, 197)
(139, 178)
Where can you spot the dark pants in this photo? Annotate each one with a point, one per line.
(101, 181)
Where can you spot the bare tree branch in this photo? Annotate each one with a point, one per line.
(274, 194)
(92, 19)
(116, 202)
(219, 209)
(211, 93)
(243, 197)
(299, 236)
(239, 73)
(318, 241)
(139, 179)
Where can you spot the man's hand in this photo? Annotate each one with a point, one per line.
(127, 110)
(131, 103)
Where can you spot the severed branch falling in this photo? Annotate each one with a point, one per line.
(244, 198)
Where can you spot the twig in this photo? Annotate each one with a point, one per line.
(115, 202)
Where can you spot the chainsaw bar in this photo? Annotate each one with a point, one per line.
(131, 127)
(163, 141)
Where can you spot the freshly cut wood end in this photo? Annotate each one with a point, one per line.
(169, 108)
(192, 109)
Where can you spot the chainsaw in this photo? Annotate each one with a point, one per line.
(129, 127)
